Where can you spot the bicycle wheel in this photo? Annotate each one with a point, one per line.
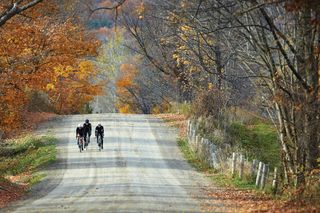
(99, 142)
(79, 145)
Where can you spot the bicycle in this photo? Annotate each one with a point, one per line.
(87, 141)
(81, 143)
(99, 142)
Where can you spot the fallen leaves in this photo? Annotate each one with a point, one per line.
(243, 200)
(175, 120)
(10, 192)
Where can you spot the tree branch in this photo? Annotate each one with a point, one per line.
(15, 9)
(113, 7)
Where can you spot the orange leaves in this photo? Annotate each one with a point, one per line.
(44, 54)
(128, 73)
(129, 69)
(124, 82)
(140, 10)
(126, 88)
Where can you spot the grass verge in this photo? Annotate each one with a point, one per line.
(20, 159)
(231, 191)
(219, 178)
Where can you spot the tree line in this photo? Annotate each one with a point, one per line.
(256, 53)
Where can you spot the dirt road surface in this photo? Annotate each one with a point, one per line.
(140, 169)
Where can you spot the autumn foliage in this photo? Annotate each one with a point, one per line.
(44, 53)
(126, 88)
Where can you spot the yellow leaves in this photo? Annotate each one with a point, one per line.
(72, 87)
(185, 28)
(156, 110)
(210, 86)
(175, 56)
(85, 67)
(125, 109)
(185, 62)
(50, 87)
(62, 71)
(140, 9)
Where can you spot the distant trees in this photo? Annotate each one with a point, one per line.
(235, 48)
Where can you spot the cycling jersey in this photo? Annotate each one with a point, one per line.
(99, 130)
(80, 131)
(87, 128)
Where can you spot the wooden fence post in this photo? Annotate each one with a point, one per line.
(197, 143)
(254, 167)
(189, 129)
(193, 136)
(213, 156)
(241, 166)
(234, 163)
(264, 175)
(275, 180)
(259, 174)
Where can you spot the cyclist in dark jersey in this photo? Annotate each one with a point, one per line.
(79, 132)
(99, 131)
(87, 131)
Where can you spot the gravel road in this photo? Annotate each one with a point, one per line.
(140, 169)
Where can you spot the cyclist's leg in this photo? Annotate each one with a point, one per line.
(101, 141)
(85, 139)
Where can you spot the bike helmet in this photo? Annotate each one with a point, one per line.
(87, 120)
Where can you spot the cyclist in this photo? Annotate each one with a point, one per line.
(79, 132)
(87, 131)
(99, 131)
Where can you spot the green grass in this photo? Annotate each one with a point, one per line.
(227, 181)
(218, 178)
(191, 157)
(27, 154)
(258, 140)
(35, 178)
